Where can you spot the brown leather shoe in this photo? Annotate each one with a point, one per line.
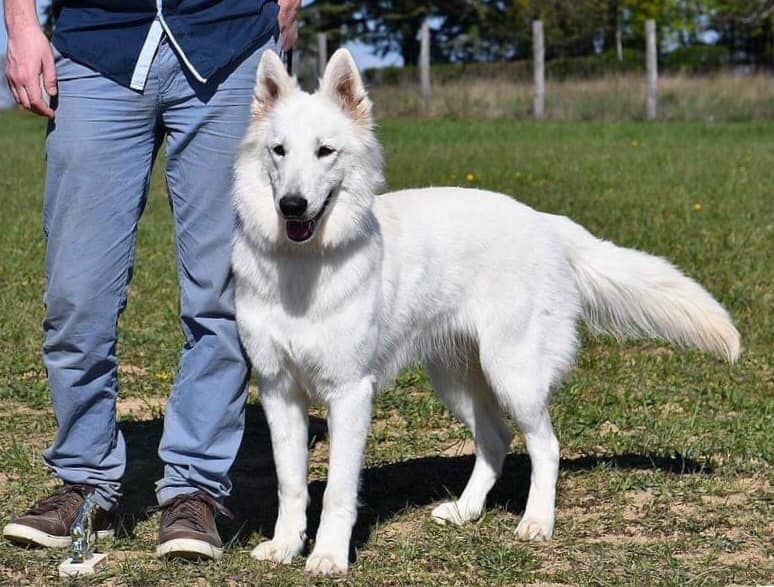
(48, 522)
(187, 528)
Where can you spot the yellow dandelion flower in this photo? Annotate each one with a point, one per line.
(470, 177)
(697, 207)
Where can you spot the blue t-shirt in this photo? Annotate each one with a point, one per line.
(118, 38)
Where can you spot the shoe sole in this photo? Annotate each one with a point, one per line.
(188, 548)
(21, 534)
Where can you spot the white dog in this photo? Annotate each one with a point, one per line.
(338, 289)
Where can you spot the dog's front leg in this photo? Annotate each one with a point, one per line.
(349, 415)
(286, 407)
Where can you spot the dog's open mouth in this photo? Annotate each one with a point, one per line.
(300, 231)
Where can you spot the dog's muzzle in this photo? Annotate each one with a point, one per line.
(300, 231)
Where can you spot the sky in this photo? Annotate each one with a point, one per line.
(362, 53)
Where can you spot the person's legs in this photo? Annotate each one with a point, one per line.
(100, 150)
(204, 419)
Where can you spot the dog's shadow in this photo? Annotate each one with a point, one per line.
(386, 489)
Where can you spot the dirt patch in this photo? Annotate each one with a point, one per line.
(637, 504)
(684, 510)
(578, 514)
(117, 557)
(736, 534)
(632, 539)
(554, 565)
(607, 428)
(400, 530)
(757, 485)
(732, 499)
(140, 408)
(388, 423)
(21, 410)
(16, 577)
(131, 370)
(751, 557)
(460, 448)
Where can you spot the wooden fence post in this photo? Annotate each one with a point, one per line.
(651, 100)
(424, 67)
(539, 55)
(322, 53)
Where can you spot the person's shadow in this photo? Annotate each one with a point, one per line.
(386, 490)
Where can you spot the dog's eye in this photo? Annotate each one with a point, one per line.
(325, 151)
(278, 150)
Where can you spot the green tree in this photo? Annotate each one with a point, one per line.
(746, 27)
(493, 30)
(338, 20)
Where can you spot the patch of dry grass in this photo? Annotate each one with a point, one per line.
(720, 97)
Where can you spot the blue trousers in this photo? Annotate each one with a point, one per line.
(100, 149)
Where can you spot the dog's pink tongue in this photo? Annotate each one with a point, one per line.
(299, 231)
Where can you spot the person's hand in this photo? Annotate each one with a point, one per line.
(28, 57)
(288, 22)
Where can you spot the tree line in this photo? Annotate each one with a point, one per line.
(500, 30)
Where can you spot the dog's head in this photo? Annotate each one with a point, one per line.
(310, 164)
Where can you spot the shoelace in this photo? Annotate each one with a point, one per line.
(190, 507)
(65, 497)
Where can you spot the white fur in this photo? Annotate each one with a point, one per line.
(485, 291)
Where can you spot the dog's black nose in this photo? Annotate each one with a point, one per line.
(292, 206)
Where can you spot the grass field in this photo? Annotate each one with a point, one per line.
(666, 474)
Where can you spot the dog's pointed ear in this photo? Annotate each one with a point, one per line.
(272, 83)
(343, 84)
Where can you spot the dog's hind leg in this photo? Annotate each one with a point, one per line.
(466, 393)
(514, 373)
(537, 523)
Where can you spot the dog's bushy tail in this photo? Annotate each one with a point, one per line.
(629, 293)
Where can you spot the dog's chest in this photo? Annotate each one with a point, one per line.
(321, 356)
(316, 320)
(320, 338)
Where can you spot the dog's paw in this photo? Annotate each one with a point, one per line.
(279, 551)
(534, 530)
(326, 564)
(453, 512)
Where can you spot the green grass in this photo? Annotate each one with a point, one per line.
(666, 471)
